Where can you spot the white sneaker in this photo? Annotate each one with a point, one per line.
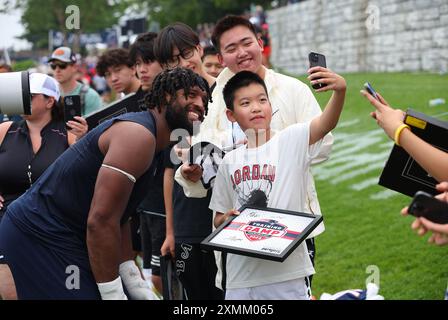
(147, 273)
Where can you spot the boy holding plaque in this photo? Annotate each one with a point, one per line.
(270, 171)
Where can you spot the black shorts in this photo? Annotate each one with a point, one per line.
(196, 270)
(153, 231)
(43, 271)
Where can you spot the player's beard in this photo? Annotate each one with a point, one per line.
(177, 117)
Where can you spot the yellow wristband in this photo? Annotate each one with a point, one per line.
(398, 133)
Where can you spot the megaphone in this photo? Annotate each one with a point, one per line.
(15, 96)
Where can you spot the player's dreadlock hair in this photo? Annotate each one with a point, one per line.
(169, 81)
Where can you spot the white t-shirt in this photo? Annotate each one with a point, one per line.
(279, 170)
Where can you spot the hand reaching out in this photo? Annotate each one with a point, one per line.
(422, 226)
(387, 118)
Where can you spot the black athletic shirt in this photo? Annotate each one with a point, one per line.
(154, 202)
(55, 209)
(19, 166)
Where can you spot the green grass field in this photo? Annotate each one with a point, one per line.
(362, 220)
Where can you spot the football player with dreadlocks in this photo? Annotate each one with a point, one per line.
(72, 225)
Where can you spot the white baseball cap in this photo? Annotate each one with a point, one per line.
(40, 83)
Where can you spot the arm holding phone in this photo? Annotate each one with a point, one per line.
(76, 125)
(433, 160)
(422, 225)
(76, 129)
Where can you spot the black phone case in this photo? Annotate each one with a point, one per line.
(317, 59)
(72, 107)
(425, 205)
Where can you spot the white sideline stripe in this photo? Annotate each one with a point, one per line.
(346, 158)
(388, 144)
(440, 114)
(350, 152)
(362, 159)
(364, 184)
(358, 172)
(386, 194)
(355, 155)
(348, 123)
(344, 139)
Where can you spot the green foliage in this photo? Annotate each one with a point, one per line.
(40, 16)
(23, 65)
(363, 231)
(196, 11)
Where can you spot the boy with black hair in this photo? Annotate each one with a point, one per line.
(210, 61)
(118, 69)
(143, 58)
(289, 154)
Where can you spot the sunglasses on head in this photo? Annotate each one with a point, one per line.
(58, 65)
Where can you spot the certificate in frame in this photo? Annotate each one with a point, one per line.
(264, 233)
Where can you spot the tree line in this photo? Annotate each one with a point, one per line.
(40, 16)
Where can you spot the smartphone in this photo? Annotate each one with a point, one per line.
(72, 108)
(371, 91)
(317, 59)
(425, 205)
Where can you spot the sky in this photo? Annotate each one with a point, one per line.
(10, 27)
